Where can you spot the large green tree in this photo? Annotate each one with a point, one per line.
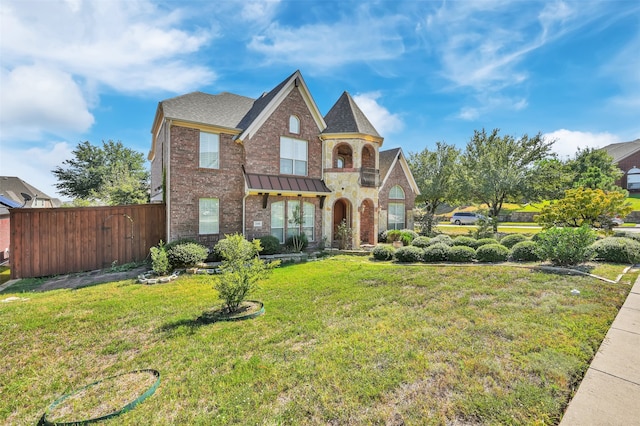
(434, 172)
(495, 169)
(111, 174)
(594, 168)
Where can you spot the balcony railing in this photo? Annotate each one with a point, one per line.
(369, 177)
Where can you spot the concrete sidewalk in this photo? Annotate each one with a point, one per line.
(610, 391)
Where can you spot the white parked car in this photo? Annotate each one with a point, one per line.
(466, 218)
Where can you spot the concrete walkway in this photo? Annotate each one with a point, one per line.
(610, 391)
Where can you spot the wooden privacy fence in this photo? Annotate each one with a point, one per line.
(65, 240)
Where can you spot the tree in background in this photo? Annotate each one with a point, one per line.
(497, 168)
(594, 168)
(585, 206)
(434, 172)
(107, 175)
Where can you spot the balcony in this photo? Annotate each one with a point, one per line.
(369, 177)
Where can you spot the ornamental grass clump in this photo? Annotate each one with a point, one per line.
(492, 253)
(524, 251)
(409, 254)
(566, 246)
(381, 252)
(461, 254)
(436, 253)
(241, 270)
(616, 250)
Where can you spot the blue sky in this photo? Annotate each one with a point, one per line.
(422, 71)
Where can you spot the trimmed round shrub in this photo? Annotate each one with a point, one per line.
(270, 244)
(409, 254)
(172, 244)
(616, 250)
(566, 246)
(461, 254)
(484, 241)
(524, 251)
(381, 252)
(632, 235)
(436, 253)
(441, 239)
(187, 254)
(302, 240)
(407, 236)
(512, 239)
(492, 253)
(421, 242)
(464, 241)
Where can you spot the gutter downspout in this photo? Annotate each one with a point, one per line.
(244, 204)
(167, 139)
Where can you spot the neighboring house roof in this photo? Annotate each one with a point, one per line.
(12, 187)
(620, 151)
(387, 161)
(285, 184)
(346, 117)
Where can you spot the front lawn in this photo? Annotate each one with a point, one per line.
(344, 341)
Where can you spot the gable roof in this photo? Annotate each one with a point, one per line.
(387, 161)
(12, 187)
(346, 117)
(620, 151)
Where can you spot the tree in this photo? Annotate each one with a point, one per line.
(434, 173)
(111, 174)
(594, 168)
(585, 206)
(496, 168)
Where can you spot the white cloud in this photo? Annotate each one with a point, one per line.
(382, 119)
(568, 141)
(261, 11)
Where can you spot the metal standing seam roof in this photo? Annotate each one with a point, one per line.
(272, 183)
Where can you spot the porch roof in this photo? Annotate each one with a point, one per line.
(285, 185)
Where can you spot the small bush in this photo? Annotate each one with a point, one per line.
(381, 252)
(409, 254)
(461, 254)
(297, 242)
(566, 246)
(421, 242)
(270, 244)
(524, 251)
(407, 236)
(159, 259)
(187, 254)
(393, 235)
(444, 239)
(492, 253)
(512, 239)
(616, 250)
(464, 241)
(484, 241)
(438, 252)
(178, 242)
(632, 235)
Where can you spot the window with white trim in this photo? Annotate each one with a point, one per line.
(293, 156)
(294, 124)
(209, 216)
(209, 150)
(396, 215)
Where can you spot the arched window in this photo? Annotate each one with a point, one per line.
(396, 208)
(340, 162)
(294, 124)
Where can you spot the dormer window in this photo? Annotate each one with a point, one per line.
(294, 124)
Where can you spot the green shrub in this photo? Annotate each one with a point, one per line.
(444, 239)
(187, 254)
(524, 251)
(297, 242)
(407, 236)
(484, 241)
(512, 239)
(616, 250)
(178, 242)
(633, 235)
(270, 244)
(464, 241)
(461, 254)
(436, 253)
(159, 259)
(392, 235)
(566, 246)
(421, 242)
(492, 253)
(382, 252)
(409, 254)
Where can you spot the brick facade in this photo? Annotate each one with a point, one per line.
(625, 165)
(5, 237)
(396, 176)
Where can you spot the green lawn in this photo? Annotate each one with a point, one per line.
(344, 340)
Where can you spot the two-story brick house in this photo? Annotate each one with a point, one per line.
(275, 166)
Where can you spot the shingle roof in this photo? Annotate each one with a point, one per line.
(620, 151)
(272, 183)
(346, 117)
(12, 187)
(261, 103)
(224, 109)
(386, 159)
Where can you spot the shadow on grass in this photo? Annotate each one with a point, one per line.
(564, 270)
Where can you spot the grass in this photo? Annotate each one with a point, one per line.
(23, 285)
(5, 274)
(344, 341)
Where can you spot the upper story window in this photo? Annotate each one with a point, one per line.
(293, 156)
(396, 193)
(340, 162)
(294, 124)
(209, 150)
